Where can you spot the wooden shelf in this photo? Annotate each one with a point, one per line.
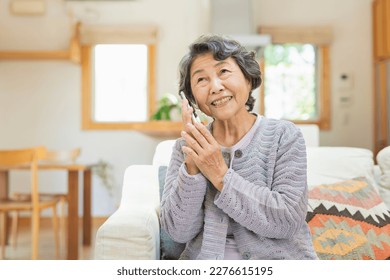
(72, 53)
(165, 129)
(11, 55)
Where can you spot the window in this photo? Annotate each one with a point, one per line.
(120, 83)
(291, 81)
(117, 78)
(296, 76)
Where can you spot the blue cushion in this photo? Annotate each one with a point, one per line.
(169, 249)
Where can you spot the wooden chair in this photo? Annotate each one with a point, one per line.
(27, 158)
(58, 157)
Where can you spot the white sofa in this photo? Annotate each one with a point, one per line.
(132, 232)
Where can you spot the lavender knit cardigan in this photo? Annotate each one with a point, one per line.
(263, 201)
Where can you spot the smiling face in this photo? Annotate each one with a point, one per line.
(219, 87)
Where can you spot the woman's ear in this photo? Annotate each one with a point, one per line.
(250, 84)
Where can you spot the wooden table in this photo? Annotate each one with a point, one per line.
(73, 200)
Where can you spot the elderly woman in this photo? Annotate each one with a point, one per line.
(235, 189)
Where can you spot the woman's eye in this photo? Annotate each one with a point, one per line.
(223, 71)
(200, 80)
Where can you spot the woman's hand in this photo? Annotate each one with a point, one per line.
(204, 151)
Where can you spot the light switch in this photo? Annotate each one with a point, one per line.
(345, 81)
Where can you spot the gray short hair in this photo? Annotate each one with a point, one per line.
(221, 48)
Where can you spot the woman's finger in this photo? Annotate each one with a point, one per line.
(197, 135)
(191, 142)
(202, 129)
(185, 112)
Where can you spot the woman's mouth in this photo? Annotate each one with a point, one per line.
(221, 101)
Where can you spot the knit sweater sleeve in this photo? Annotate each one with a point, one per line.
(278, 210)
(182, 212)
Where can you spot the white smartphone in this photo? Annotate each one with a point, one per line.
(195, 117)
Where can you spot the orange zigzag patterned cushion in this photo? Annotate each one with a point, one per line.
(349, 220)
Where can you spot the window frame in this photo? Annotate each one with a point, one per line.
(320, 37)
(88, 123)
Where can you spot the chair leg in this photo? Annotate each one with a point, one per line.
(63, 224)
(55, 228)
(35, 234)
(3, 233)
(14, 228)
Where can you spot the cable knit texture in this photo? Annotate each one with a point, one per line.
(264, 198)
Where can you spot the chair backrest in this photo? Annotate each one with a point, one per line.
(21, 157)
(63, 156)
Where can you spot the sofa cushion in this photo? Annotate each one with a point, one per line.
(383, 158)
(348, 220)
(163, 153)
(327, 165)
(169, 249)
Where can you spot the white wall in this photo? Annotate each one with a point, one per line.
(351, 52)
(40, 101)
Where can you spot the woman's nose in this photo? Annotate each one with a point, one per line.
(216, 86)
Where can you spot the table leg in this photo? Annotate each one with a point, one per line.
(73, 215)
(3, 184)
(87, 231)
(4, 180)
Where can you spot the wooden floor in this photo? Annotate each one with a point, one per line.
(22, 251)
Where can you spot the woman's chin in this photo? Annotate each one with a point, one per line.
(223, 116)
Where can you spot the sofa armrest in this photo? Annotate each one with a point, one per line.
(129, 234)
(132, 232)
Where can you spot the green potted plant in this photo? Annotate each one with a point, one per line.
(168, 108)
